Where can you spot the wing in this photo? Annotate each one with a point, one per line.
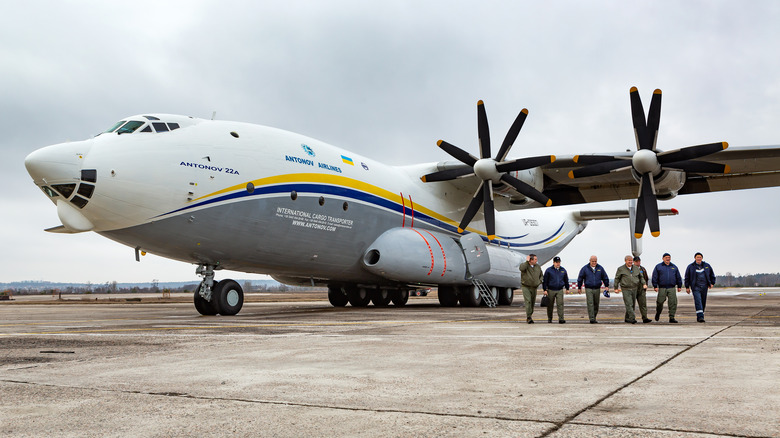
(750, 168)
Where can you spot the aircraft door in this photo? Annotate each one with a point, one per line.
(476, 254)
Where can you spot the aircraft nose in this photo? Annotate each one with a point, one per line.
(56, 163)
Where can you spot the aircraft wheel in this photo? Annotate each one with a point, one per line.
(227, 297)
(448, 296)
(380, 297)
(202, 306)
(494, 292)
(505, 296)
(400, 297)
(358, 297)
(337, 297)
(469, 296)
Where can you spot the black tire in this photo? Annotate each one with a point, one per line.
(505, 296)
(228, 297)
(202, 306)
(448, 296)
(337, 297)
(358, 297)
(400, 297)
(381, 297)
(469, 296)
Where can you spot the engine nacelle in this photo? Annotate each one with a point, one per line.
(412, 255)
(667, 183)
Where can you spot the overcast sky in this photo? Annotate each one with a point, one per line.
(386, 80)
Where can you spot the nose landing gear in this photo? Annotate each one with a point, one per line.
(225, 297)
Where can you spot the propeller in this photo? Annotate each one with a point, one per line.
(648, 162)
(490, 170)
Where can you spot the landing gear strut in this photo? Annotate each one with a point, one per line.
(225, 297)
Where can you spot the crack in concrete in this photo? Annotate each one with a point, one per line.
(570, 419)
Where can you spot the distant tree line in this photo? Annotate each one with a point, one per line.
(751, 280)
(112, 287)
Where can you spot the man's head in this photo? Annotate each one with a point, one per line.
(667, 258)
(532, 259)
(698, 257)
(557, 262)
(637, 261)
(629, 261)
(594, 261)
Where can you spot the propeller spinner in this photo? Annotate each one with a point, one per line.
(490, 170)
(647, 161)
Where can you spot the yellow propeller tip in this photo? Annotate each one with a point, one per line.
(480, 102)
(460, 230)
(423, 179)
(552, 158)
(571, 174)
(524, 111)
(657, 91)
(549, 203)
(655, 233)
(725, 145)
(633, 90)
(727, 169)
(438, 143)
(638, 235)
(576, 158)
(491, 236)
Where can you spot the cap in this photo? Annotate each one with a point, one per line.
(556, 259)
(666, 254)
(606, 293)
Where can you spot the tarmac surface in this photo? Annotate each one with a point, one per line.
(291, 365)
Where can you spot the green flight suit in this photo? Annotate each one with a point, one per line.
(628, 280)
(641, 295)
(530, 279)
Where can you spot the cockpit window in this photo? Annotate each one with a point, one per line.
(116, 125)
(51, 193)
(160, 127)
(129, 127)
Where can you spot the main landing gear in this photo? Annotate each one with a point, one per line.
(340, 296)
(225, 297)
(469, 296)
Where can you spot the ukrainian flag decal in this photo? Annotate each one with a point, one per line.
(347, 160)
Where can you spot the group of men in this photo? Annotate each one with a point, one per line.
(631, 280)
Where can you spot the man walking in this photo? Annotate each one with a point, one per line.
(592, 276)
(700, 278)
(530, 279)
(628, 279)
(555, 280)
(641, 292)
(665, 277)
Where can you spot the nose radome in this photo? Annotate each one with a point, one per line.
(59, 162)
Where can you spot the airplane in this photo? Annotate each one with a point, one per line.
(244, 197)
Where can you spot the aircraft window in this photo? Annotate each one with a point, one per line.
(147, 128)
(173, 126)
(116, 125)
(151, 118)
(129, 127)
(65, 189)
(86, 190)
(160, 127)
(89, 175)
(78, 201)
(51, 193)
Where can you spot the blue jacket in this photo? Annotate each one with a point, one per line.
(666, 276)
(555, 279)
(592, 279)
(699, 276)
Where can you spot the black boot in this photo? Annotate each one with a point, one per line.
(658, 310)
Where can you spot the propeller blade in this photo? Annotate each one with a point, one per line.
(483, 131)
(699, 167)
(527, 190)
(457, 153)
(511, 136)
(524, 163)
(638, 118)
(647, 208)
(595, 159)
(448, 174)
(600, 168)
(472, 209)
(691, 152)
(653, 119)
(489, 210)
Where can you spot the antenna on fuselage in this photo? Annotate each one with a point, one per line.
(213, 115)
